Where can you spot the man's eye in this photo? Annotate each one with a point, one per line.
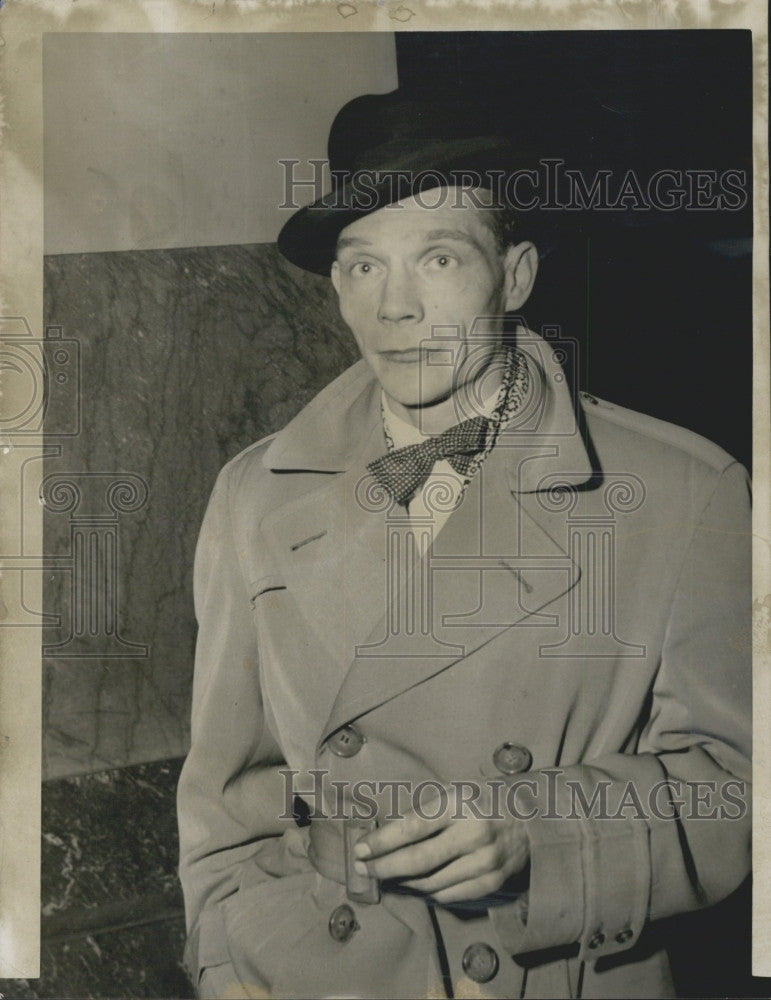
(442, 261)
(361, 269)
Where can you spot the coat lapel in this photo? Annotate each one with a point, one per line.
(492, 566)
(330, 544)
(329, 541)
(386, 619)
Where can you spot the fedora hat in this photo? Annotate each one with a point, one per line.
(386, 147)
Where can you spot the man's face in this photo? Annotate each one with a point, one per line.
(408, 269)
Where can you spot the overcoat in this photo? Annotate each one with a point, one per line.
(586, 606)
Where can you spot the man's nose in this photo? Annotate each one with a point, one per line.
(400, 299)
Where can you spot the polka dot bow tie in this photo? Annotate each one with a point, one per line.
(403, 471)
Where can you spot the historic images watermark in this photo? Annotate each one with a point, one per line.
(549, 185)
(543, 795)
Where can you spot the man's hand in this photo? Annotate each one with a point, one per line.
(453, 858)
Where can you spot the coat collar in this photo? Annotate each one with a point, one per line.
(329, 434)
(332, 432)
(333, 542)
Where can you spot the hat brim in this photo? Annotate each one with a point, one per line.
(309, 238)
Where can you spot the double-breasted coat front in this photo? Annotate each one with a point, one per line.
(586, 607)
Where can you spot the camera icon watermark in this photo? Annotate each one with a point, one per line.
(42, 410)
(502, 568)
(42, 379)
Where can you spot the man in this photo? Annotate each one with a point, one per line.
(492, 636)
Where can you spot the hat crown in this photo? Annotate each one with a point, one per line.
(398, 144)
(385, 131)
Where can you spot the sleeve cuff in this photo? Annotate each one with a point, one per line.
(589, 884)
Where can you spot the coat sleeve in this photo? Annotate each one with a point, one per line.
(229, 787)
(669, 828)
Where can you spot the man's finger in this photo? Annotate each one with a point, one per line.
(474, 888)
(398, 833)
(415, 859)
(470, 866)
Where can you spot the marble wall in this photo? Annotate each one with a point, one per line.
(185, 357)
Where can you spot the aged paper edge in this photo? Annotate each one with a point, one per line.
(22, 24)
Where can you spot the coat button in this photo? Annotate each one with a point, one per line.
(597, 939)
(511, 758)
(342, 923)
(480, 962)
(623, 936)
(346, 742)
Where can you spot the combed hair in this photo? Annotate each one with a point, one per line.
(505, 226)
(503, 220)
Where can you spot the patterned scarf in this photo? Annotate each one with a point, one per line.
(403, 471)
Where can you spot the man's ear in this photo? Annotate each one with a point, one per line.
(520, 266)
(334, 274)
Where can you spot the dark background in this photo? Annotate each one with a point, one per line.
(661, 302)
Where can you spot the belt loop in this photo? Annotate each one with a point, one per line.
(359, 888)
(331, 853)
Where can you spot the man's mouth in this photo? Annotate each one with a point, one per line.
(409, 357)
